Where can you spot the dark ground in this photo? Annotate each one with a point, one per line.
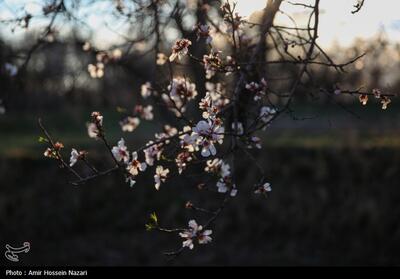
(342, 209)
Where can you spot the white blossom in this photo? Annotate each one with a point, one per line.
(120, 152)
(152, 153)
(262, 189)
(92, 130)
(208, 133)
(385, 101)
(160, 176)
(213, 166)
(222, 187)
(225, 183)
(169, 131)
(217, 93)
(145, 112)
(234, 191)
(131, 181)
(96, 70)
(129, 124)
(148, 113)
(97, 118)
(210, 110)
(74, 157)
(254, 142)
(194, 232)
(204, 237)
(146, 90)
(182, 89)
(49, 153)
(377, 93)
(189, 142)
(182, 159)
(258, 89)
(267, 114)
(135, 165)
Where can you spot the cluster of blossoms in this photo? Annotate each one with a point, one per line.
(214, 100)
(102, 58)
(183, 159)
(259, 90)
(212, 63)
(384, 100)
(53, 152)
(96, 70)
(180, 49)
(267, 114)
(133, 165)
(181, 90)
(223, 171)
(131, 122)
(195, 232)
(121, 154)
(154, 150)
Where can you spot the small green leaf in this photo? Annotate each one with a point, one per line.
(154, 218)
(153, 222)
(42, 139)
(149, 227)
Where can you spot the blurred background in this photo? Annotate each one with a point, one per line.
(334, 167)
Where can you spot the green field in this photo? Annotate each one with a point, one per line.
(334, 129)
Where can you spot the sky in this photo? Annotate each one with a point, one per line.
(337, 24)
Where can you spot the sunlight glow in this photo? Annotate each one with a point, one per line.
(337, 24)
